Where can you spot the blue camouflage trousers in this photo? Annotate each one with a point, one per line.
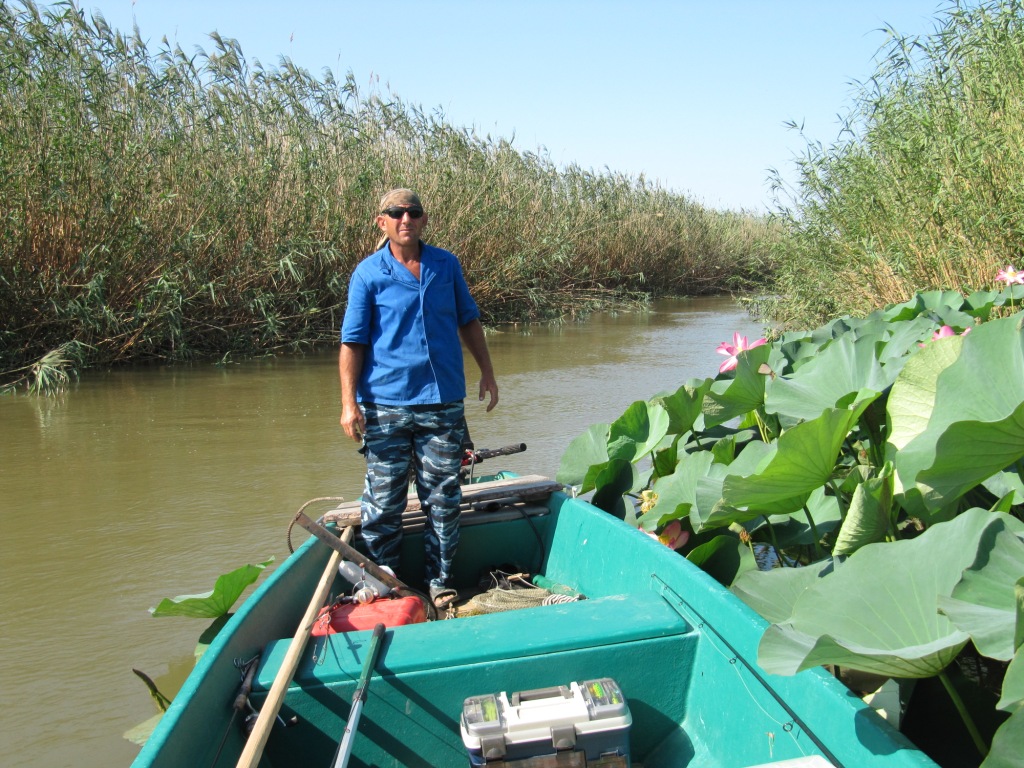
(425, 440)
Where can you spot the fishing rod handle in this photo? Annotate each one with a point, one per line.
(371, 659)
(490, 453)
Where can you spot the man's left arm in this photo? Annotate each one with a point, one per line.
(472, 334)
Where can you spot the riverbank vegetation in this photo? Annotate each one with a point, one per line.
(166, 205)
(882, 458)
(922, 190)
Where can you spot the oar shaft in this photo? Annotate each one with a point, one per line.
(347, 551)
(275, 698)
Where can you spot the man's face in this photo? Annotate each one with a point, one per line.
(403, 230)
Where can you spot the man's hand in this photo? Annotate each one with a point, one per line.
(488, 385)
(353, 422)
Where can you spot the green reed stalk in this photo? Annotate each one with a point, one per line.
(921, 191)
(167, 205)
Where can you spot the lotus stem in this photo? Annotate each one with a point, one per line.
(775, 541)
(958, 702)
(843, 508)
(814, 530)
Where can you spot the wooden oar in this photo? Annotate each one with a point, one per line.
(352, 554)
(348, 552)
(349, 735)
(275, 698)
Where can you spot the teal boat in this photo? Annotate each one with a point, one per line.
(679, 647)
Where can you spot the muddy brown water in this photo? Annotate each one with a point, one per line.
(144, 483)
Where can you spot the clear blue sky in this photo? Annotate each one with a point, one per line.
(693, 94)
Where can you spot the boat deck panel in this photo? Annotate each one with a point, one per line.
(481, 639)
(426, 671)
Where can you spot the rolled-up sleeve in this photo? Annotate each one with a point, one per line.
(355, 328)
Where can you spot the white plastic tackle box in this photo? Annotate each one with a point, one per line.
(583, 724)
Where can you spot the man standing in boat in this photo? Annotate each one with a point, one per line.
(403, 383)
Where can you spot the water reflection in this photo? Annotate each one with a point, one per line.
(145, 483)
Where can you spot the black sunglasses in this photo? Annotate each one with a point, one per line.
(397, 213)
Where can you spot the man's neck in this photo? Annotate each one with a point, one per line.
(405, 253)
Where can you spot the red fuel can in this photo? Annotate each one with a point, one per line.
(389, 611)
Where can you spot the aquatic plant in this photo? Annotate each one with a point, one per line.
(739, 344)
(884, 455)
(920, 188)
(172, 205)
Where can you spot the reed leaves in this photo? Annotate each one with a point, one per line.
(922, 188)
(160, 204)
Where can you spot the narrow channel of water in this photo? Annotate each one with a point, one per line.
(148, 483)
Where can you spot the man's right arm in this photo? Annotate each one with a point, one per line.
(350, 366)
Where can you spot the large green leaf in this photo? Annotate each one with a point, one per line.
(1008, 744)
(805, 459)
(846, 372)
(957, 413)
(680, 488)
(615, 479)
(710, 511)
(209, 605)
(724, 557)
(1013, 684)
(737, 396)
(984, 603)
(869, 518)
(589, 449)
(774, 593)
(637, 431)
(684, 405)
(924, 301)
(878, 611)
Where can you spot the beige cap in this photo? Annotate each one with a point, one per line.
(400, 196)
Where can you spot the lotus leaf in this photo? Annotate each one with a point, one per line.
(869, 519)
(586, 451)
(984, 603)
(845, 372)
(878, 611)
(612, 481)
(637, 431)
(804, 460)
(1007, 744)
(209, 605)
(923, 302)
(724, 558)
(795, 530)
(773, 593)
(684, 405)
(680, 488)
(730, 398)
(1006, 484)
(1013, 685)
(980, 303)
(928, 444)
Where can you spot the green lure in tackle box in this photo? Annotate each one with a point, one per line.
(582, 724)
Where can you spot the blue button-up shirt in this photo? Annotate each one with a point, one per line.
(410, 328)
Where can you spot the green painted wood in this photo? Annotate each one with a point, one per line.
(682, 648)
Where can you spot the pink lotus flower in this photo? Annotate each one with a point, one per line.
(739, 344)
(673, 536)
(944, 332)
(1009, 275)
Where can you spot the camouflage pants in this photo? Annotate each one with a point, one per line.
(425, 440)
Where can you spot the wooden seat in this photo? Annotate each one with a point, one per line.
(486, 502)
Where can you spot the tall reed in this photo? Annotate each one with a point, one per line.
(922, 190)
(158, 204)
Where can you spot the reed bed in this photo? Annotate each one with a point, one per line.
(923, 188)
(165, 205)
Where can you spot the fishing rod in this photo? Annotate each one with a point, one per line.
(362, 688)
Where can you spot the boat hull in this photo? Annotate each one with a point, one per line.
(682, 649)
